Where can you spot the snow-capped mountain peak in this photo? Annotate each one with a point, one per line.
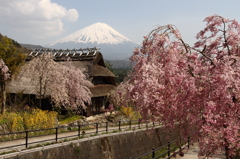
(99, 33)
(112, 44)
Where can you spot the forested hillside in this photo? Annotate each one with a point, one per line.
(120, 63)
(30, 46)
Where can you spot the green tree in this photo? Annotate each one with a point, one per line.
(13, 55)
(109, 66)
(121, 74)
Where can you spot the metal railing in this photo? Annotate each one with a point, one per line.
(168, 150)
(67, 132)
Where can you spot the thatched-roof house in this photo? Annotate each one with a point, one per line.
(92, 61)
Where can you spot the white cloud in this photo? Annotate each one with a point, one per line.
(72, 15)
(39, 18)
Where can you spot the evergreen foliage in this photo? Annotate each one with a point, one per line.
(13, 57)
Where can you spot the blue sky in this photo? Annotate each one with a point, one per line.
(45, 21)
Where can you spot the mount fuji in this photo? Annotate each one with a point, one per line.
(112, 44)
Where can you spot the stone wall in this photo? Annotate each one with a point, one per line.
(123, 145)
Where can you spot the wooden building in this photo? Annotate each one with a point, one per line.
(92, 61)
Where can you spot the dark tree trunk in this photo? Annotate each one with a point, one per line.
(40, 93)
(227, 147)
(227, 153)
(3, 91)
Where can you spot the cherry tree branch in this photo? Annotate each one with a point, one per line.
(224, 35)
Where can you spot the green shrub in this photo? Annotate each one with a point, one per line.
(70, 119)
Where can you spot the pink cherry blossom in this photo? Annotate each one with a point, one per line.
(194, 89)
(65, 84)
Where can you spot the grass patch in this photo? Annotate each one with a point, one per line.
(68, 129)
(86, 128)
(93, 135)
(70, 119)
(116, 131)
(3, 153)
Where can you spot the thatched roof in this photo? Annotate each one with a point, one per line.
(90, 60)
(62, 55)
(102, 90)
(87, 66)
(23, 85)
(101, 71)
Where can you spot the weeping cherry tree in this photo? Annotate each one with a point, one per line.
(66, 85)
(193, 89)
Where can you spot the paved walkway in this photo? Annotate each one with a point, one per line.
(20, 144)
(192, 153)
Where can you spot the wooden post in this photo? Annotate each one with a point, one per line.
(106, 126)
(169, 146)
(56, 138)
(26, 139)
(153, 153)
(79, 130)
